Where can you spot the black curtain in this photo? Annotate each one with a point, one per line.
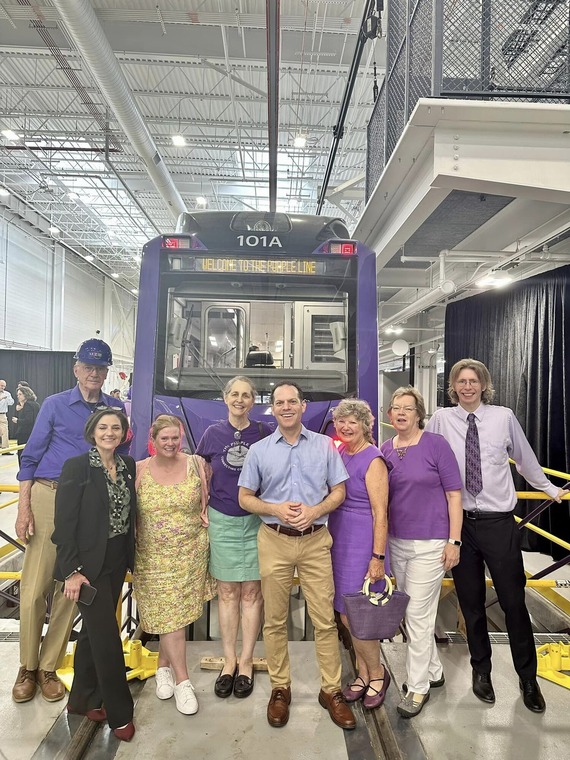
(46, 372)
(523, 336)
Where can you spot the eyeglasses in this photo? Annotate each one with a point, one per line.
(89, 369)
(468, 382)
(404, 408)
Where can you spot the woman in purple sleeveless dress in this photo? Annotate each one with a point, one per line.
(359, 529)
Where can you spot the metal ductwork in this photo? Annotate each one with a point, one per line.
(87, 34)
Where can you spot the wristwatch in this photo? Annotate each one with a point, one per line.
(378, 556)
(454, 542)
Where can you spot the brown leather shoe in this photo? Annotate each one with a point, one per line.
(25, 686)
(278, 707)
(339, 711)
(52, 688)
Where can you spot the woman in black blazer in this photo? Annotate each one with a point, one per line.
(94, 534)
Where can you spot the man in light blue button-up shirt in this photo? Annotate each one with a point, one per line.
(293, 479)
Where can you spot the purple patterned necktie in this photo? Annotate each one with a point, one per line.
(473, 477)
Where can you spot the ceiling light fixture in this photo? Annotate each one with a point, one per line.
(201, 201)
(134, 291)
(89, 258)
(178, 140)
(54, 230)
(300, 141)
(495, 280)
(4, 193)
(115, 275)
(9, 134)
(394, 330)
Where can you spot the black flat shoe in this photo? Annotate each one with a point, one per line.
(532, 696)
(224, 685)
(243, 686)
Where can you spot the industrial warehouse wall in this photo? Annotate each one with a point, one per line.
(50, 300)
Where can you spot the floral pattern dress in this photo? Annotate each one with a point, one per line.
(171, 578)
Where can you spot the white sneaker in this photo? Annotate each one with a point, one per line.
(186, 701)
(164, 683)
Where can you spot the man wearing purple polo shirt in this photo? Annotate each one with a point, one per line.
(57, 436)
(299, 477)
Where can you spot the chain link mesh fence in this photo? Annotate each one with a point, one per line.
(488, 49)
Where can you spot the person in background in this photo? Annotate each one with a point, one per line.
(27, 410)
(171, 578)
(6, 400)
(483, 437)
(116, 393)
(57, 435)
(299, 477)
(424, 535)
(359, 532)
(233, 536)
(95, 508)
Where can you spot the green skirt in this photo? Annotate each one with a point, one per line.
(233, 546)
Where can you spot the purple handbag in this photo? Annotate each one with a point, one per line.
(375, 615)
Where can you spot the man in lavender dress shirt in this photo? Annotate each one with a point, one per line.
(57, 436)
(292, 479)
(490, 535)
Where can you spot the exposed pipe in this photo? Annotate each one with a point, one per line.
(423, 303)
(272, 16)
(87, 34)
(338, 129)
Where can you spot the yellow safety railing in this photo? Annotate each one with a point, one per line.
(12, 447)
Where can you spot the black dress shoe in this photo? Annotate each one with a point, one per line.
(483, 688)
(243, 686)
(224, 685)
(532, 696)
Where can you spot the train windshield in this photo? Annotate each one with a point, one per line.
(270, 328)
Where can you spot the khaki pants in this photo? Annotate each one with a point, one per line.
(4, 441)
(36, 583)
(278, 557)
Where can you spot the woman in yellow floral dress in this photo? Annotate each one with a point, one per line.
(171, 577)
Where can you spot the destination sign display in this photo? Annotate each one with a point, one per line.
(234, 265)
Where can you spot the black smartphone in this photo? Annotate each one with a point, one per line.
(87, 593)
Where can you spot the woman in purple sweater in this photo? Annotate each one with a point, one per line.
(424, 532)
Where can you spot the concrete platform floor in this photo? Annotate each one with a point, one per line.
(454, 725)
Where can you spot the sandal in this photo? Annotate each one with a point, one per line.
(353, 695)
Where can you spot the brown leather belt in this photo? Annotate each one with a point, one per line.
(292, 532)
(45, 482)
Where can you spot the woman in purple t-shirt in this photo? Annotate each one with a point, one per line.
(424, 531)
(233, 536)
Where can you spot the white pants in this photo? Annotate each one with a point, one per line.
(418, 570)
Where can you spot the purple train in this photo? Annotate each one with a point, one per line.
(271, 296)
